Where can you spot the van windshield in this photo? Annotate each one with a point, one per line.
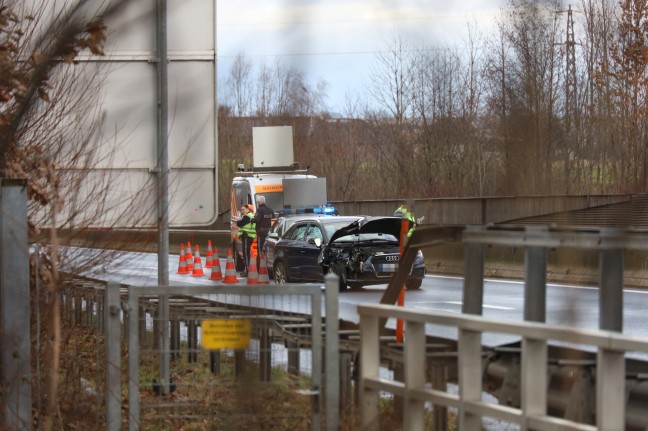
(274, 200)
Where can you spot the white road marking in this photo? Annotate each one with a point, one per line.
(498, 280)
(494, 307)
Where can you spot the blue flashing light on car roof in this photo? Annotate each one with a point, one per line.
(328, 210)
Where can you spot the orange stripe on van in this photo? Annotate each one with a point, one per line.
(269, 188)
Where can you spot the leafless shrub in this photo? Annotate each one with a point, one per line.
(50, 123)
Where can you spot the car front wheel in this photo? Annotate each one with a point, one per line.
(280, 273)
(413, 284)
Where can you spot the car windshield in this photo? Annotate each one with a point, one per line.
(367, 237)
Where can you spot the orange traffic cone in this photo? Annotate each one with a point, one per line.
(209, 260)
(216, 273)
(253, 275)
(197, 266)
(230, 271)
(190, 259)
(182, 263)
(263, 271)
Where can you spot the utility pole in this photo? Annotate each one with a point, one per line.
(571, 114)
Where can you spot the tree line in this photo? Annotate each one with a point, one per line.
(552, 102)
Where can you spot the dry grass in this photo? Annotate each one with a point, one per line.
(201, 400)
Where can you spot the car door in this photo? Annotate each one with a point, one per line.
(271, 241)
(310, 268)
(290, 250)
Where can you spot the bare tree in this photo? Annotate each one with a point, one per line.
(596, 129)
(526, 94)
(479, 163)
(349, 176)
(628, 67)
(391, 87)
(49, 135)
(240, 86)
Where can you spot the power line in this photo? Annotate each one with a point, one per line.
(355, 21)
(344, 53)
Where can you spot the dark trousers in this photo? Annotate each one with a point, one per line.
(247, 246)
(260, 242)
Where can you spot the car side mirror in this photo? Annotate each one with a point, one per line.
(316, 241)
(273, 235)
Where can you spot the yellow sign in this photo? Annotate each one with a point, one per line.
(269, 188)
(225, 334)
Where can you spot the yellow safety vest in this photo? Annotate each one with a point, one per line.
(403, 212)
(248, 228)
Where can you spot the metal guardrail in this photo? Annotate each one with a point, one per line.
(532, 414)
(536, 241)
(324, 395)
(609, 243)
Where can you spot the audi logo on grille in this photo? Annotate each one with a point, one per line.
(392, 258)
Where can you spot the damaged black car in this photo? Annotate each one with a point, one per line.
(362, 251)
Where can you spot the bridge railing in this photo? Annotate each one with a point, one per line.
(267, 311)
(495, 209)
(532, 414)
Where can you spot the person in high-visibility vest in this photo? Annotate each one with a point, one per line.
(405, 211)
(247, 234)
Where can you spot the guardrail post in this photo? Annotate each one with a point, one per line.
(611, 290)
(345, 381)
(192, 341)
(113, 361)
(413, 412)
(534, 377)
(77, 307)
(15, 354)
(439, 379)
(610, 390)
(215, 362)
(316, 349)
(473, 291)
(293, 358)
(175, 338)
(369, 368)
(535, 281)
(141, 324)
(265, 353)
(134, 340)
(470, 377)
(332, 362)
(100, 313)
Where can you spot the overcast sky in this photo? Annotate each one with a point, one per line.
(337, 40)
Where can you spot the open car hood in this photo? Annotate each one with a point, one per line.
(388, 225)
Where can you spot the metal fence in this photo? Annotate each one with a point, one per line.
(416, 391)
(284, 357)
(498, 209)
